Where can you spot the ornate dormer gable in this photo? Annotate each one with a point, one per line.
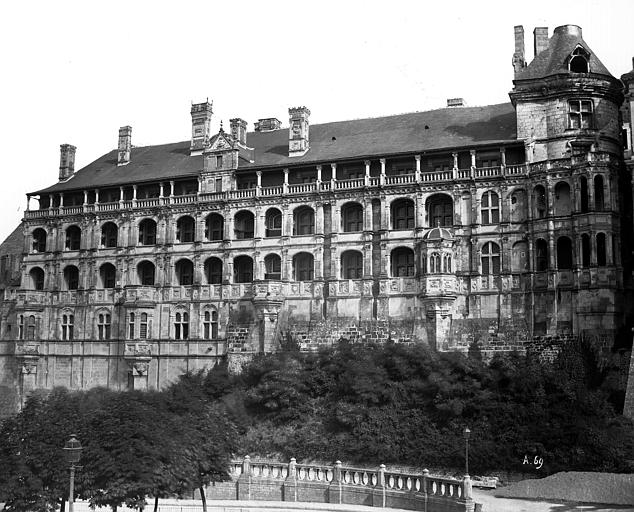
(579, 60)
(223, 152)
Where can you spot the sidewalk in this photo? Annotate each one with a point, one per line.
(491, 503)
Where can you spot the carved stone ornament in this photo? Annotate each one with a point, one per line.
(140, 367)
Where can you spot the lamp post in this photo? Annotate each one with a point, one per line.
(72, 450)
(466, 432)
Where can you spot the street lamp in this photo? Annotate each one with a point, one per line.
(466, 432)
(72, 450)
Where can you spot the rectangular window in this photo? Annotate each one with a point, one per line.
(219, 162)
(143, 329)
(580, 114)
(131, 327)
(218, 184)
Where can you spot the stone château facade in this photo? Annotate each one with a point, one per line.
(506, 224)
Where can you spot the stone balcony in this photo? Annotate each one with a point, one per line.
(289, 189)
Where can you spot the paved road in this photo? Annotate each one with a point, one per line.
(492, 504)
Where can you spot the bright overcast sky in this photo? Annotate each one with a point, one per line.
(74, 72)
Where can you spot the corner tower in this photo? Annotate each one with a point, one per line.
(566, 100)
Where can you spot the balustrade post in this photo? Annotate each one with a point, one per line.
(285, 184)
(417, 170)
(382, 483)
(466, 488)
(318, 177)
(425, 477)
(244, 481)
(333, 176)
(290, 484)
(503, 161)
(382, 176)
(258, 187)
(366, 178)
(473, 163)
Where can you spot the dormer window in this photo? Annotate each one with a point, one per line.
(580, 114)
(579, 60)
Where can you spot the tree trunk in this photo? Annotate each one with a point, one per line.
(156, 504)
(62, 507)
(114, 508)
(203, 497)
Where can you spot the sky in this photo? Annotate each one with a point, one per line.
(74, 72)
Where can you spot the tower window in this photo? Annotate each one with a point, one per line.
(143, 327)
(580, 114)
(579, 60)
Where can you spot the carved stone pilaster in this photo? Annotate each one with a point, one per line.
(27, 355)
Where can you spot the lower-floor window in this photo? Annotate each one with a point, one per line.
(210, 325)
(103, 326)
(68, 326)
(181, 326)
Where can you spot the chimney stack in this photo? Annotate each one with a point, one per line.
(298, 141)
(201, 126)
(239, 130)
(125, 145)
(519, 60)
(268, 124)
(541, 39)
(66, 161)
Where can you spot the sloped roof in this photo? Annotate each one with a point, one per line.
(553, 60)
(13, 244)
(445, 128)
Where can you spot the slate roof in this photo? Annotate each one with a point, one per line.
(553, 60)
(442, 129)
(13, 244)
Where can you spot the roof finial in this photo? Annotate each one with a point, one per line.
(437, 223)
(221, 129)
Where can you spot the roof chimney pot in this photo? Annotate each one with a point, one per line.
(519, 59)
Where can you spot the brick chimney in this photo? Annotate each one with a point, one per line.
(519, 59)
(298, 141)
(66, 161)
(201, 125)
(125, 145)
(541, 39)
(239, 130)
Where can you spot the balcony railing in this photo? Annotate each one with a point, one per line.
(301, 188)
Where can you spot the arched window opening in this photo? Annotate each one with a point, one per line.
(242, 269)
(37, 278)
(579, 61)
(104, 326)
(564, 253)
(109, 234)
(352, 217)
(143, 327)
(273, 222)
(147, 232)
(71, 277)
(30, 328)
(303, 221)
(351, 265)
(273, 267)
(243, 225)
(518, 206)
(185, 227)
(210, 325)
(403, 214)
(599, 203)
(68, 326)
(303, 266)
(181, 326)
(584, 194)
(402, 262)
(73, 238)
(490, 259)
(146, 272)
(39, 240)
(434, 263)
(108, 275)
(440, 210)
(214, 227)
(601, 250)
(519, 257)
(490, 208)
(541, 255)
(184, 272)
(585, 250)
(540, 205)
(562, 199)
(213, 270)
